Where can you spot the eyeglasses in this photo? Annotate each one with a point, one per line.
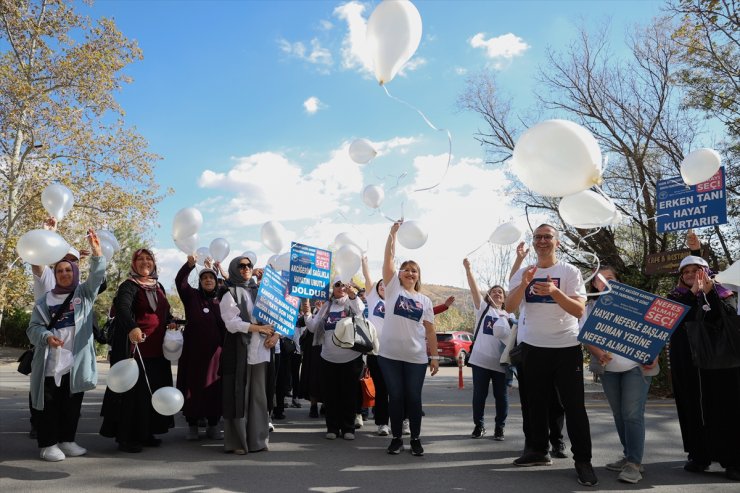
(542, 237)
(338, 284)
(245, 266)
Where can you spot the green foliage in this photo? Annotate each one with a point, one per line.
(454, 319)
(13, 328)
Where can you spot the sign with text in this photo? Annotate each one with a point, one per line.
(664, 262)
(273, 305)
(681, 206)
(632, 323)
(310, 271)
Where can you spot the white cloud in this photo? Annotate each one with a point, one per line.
(313, 105)
(506, 46)
(326, 25)
(461, 70)
(317, 55)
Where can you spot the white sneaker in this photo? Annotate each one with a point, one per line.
(52, 454)
(358, 421)
(383, 431)
(270, 427)
(71, 449)
(630, 473)
(331, 436)
(349, 436)
(406, 428)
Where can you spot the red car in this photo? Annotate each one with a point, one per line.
(450, 345)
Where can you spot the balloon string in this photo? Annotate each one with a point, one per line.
(606, 283)
(481, 246)
(141, 358)
(13, 262)
(431, 125)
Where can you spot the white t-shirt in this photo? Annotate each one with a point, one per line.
(491, 338)
(376, 310)
(59, 361)
(43, 284)
(403, 337)
(330, 351)
(542, 322)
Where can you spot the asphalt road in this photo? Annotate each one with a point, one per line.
(300, 459)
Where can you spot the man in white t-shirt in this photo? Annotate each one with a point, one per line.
(551, 298)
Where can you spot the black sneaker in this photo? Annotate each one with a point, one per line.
(478, 432)
(313, 412)
(586, 474)
(498, 434)
(129, 447)
(396, 446)
(529, 459)
(278, 415)
(416, 448)
(695, 466)
(558, 451)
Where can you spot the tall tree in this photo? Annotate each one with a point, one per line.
(59, 121)
(632, 107)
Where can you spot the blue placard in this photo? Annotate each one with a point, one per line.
(632, 323)
(272, 306)
(681, 206)
(310, 272)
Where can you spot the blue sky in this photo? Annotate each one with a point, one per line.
(252, 105)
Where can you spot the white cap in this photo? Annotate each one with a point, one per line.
(692, 260)
(73, 251)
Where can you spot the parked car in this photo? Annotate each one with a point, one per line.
(450, 345)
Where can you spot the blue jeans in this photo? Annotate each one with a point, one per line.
(404, 382)
(481, 377)
(627, 392)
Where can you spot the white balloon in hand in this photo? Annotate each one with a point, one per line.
(587, 209)
(123, 375)
(219, 249)
(201, 254)
(348, 259)
(187, 222)
(700, 166)
(41, 247)
(57, 200)
(187, 244)
(167, 401)
(411, 235)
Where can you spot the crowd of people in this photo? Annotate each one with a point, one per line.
(235, 373)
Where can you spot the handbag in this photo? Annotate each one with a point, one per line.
(24, 362)
(287, 346)
(356, 333)
(715, 344)
(516, 355)
(26, 359)
(367, 386)
(510, 345)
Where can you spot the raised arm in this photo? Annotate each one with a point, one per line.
(181, 279)
(474, 291)
(366, 274)
(389, 270)
(521, 253)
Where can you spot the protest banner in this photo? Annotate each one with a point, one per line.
(632, 323)
(681, 206)
(310, 272)
(272, 306)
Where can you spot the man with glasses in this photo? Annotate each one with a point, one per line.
(551, 298)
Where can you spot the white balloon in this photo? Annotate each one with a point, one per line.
(373, 196)
(167, 401)
(57, 200)
(393, 35)
(201, 254)
(188, 244)
(108, 236)
(617, 219)
(219, 249)
(187, 222)
(108, 249)
(556, 158)
(272, 261)
(730, 276)
(251, 256)
(507, 234)
(282, 261)
(348, 258)
(700, 166)
(172, 345)
(587, 209)
(362, 151)
(347, 238)
(273, 234)
(123, 375)
(412, 235)
(41, 247)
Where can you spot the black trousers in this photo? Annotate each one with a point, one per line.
(380, 412)
(545, 372)
(295, 372)
(58, 421)
(340, 385)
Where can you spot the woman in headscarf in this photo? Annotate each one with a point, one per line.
(142, 316)
(198, 375)
(246, 357)
(339, 368)
(708, 401)
(64, 360)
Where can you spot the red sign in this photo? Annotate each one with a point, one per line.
(664, 313)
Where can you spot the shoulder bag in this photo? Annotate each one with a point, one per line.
(715, 343)
(26, 359)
